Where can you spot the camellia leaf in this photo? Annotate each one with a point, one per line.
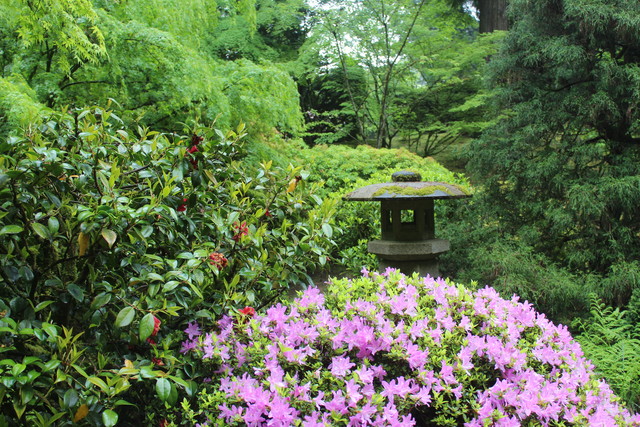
(82, 412)
(83, 243)
(109, 418)
(328, 231)
(10, 229)
(125, 317)
(70, 398)
(110, 236)
(146, 326)
(41, 230)
(163, 388)
(76, 292)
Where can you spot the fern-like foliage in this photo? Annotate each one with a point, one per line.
(611, 339)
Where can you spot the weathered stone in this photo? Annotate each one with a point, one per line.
(406, 251)
(406, 176)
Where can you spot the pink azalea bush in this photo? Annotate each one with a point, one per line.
(392, 350)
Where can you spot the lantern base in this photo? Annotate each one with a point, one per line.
(410, 257)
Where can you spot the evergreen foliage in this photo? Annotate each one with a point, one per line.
(561, 170)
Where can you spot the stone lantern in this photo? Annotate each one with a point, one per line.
(408, 240)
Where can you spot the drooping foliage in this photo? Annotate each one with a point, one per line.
(162, 70)
(561, 171)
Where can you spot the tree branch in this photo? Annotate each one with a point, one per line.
(84, 83)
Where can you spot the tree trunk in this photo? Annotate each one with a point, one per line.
(493, 15)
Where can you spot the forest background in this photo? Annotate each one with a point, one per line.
(118, 116)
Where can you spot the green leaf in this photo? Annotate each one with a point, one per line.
(109, 418)
(51, 365)
(75, 291)
(98, 382)
(110, 236)
(173, 395)
(100, 300)
(54, 225)
(146, 326)
(170, 285)
(185, 255)
(163, 388)
(41, 230)
(328, 231)
(125, 317)
(10, 229)
(17, 369)
(70, 398)
(146, 231)
(42, 305)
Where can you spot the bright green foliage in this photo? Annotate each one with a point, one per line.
(190, 21)
(406, 51)
(156, 58)
(153, 76)
(344, 168)
(561, 172)
(611, 339)
(262, 96)
(18, 105)
(63, 31)
(111, 237)
(282, 26)
(453, 101)
(328, 98)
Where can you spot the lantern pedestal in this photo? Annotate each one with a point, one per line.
(409, 257)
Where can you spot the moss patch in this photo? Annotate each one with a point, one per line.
(412, 191)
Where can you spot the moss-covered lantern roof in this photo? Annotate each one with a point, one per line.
(404, 188)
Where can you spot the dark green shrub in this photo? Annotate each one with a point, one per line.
(111, 240)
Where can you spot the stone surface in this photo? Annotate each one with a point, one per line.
(408, 251)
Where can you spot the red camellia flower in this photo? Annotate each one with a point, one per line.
(163, 423)
(183, 206)
(218, 260)
(241, 230)
(156, 326)
(157, 361)
(196, 139)
(248, 311)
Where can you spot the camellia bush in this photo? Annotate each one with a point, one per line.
(113, 238)
(391, 350)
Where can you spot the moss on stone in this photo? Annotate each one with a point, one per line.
(406, 176)
(412, 191)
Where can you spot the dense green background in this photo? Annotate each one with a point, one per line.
(102, 102)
